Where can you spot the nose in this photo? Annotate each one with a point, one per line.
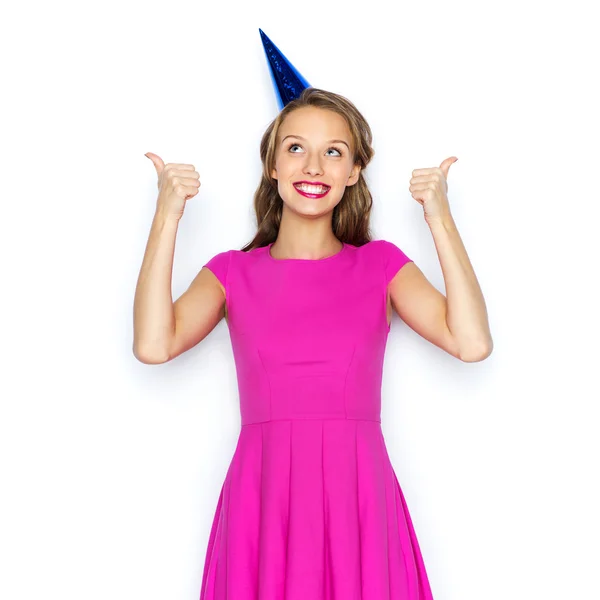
(313, 165)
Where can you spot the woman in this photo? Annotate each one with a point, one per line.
(311, 507)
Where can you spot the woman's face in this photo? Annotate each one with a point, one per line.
(314, 145)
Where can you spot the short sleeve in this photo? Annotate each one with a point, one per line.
(393, 259)
(219, 265)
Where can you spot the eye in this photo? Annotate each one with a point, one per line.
(328, 149)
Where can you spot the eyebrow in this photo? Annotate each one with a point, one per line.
(301, 138)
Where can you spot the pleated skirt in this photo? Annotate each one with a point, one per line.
(311, 509)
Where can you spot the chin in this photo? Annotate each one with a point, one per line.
(310, 206)
(308, 209)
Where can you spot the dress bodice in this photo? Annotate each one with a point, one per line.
(309, 336)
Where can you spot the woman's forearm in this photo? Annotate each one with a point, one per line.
(466, 315)
(153, 313)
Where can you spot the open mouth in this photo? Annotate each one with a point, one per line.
(312, 191)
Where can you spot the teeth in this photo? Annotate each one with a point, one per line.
(311, 189)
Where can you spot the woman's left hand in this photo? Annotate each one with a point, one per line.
(429, 187)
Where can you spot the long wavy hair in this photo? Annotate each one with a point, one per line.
(351, 216)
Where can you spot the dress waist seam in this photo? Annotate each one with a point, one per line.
(311, 419)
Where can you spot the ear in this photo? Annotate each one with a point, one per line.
(274, 173)
(354, 174)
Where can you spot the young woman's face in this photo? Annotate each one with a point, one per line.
(314, 145)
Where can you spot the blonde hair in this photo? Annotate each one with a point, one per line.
(350, 219)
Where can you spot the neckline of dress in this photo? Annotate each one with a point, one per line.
(305, 260)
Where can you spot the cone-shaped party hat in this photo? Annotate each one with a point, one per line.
(287, 81)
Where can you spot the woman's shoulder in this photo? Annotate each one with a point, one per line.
(393, 258)
(222, 260)
(379, 248)
(385, 255)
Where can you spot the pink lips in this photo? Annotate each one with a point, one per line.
(307, 194)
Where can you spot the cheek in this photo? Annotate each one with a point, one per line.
(343, 172)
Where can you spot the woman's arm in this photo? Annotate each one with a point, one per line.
(153, 313)
(466, 313)
(457, 324)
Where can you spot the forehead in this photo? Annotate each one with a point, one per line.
(319, 123)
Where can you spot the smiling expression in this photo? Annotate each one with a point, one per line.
(314, 160)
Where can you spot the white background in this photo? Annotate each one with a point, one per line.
(111, 469)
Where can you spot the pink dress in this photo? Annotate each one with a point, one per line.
(311, 508)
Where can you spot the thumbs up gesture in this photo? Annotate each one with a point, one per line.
(177, 182)
(429, 187)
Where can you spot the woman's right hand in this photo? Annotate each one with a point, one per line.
(176, 183)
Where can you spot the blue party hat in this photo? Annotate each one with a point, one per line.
(287, 81)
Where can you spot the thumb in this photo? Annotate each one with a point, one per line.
(157, 161)
(445, 166)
